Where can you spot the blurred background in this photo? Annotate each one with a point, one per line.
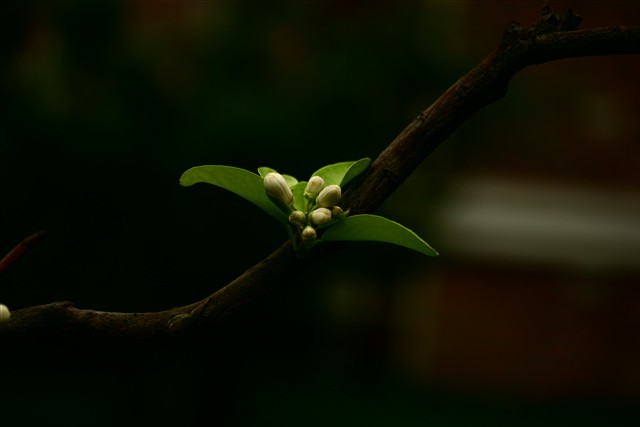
(529, 316)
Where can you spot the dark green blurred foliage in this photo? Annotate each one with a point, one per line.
(106, 104)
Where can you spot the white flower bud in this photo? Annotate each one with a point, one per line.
(320, 216)
(336, 212)
(277, 188)
(330, 196)
(308, 234)
(297, 218)
(314, 186)
(5, 314)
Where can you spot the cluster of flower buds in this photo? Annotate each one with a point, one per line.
(321, 204)
(5, 314)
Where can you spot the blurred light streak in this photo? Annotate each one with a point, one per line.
(571, 224)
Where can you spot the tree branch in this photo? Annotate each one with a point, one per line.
(551, 38)
(483, 85)
(62, 318)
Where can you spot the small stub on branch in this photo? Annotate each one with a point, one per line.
(570, 22)
(549, 22)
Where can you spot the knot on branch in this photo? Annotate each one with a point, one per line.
(570, 21)
(549, 22)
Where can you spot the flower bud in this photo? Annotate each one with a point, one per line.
(5, 314)
(308, 234)
(277, 188)
(336, 212)
(314, 186)
(297, 218)
(320, 216)
(329, 196)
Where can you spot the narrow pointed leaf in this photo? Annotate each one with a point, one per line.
(341, 173)
(376, 228)
(239, 181)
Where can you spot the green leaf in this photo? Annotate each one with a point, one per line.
(341, 173)
(376, 228)
(239, 181)
(356, 169)
(263, 171)
(291, 181)
(299, 201)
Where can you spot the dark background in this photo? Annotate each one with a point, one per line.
(104, 105)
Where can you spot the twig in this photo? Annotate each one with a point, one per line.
(19, 249)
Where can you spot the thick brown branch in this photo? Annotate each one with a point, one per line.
(485, 84)
(62, 318)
